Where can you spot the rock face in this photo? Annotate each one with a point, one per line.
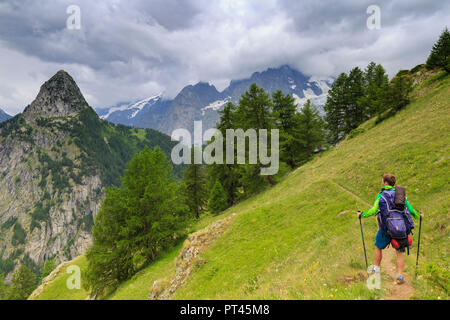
(56, 159)
(4, 116)
(58, 97)
(45, 213)
(184, 109)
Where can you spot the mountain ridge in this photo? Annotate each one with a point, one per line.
(202, 101)
(4, 116)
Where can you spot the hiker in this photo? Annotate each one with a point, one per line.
(383, 207)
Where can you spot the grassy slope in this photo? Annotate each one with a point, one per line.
(57, 289)
(297, 239)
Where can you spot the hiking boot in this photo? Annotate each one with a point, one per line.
(400, 279)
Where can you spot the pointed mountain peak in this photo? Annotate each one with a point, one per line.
(59, 96)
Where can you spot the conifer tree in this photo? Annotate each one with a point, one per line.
(335, 108)
(284, 112)
(217, 199)
(109, 264)
(355, 110)
(49, 266)
(194, 187)
(440, 53)
(254, 112)
(346, 107)
(311, 130)
(22, 284)
(136, 221)
(228, 174)
(376, 84)
(398, 93)
(227, 118)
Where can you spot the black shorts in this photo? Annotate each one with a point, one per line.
(403, 244)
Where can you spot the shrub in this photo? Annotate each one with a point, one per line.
(19, 235)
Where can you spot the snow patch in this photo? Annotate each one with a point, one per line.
(141, 104)
(136, 107)
(115, 109)
(318, 100)
(215, 106)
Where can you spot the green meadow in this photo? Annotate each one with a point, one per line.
(301, 238)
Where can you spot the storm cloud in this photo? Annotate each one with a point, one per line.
(127, 50)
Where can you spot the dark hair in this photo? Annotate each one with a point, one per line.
(390, 179)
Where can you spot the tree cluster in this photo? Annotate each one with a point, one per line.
(301, 134)
(360, 95)
(136, 221)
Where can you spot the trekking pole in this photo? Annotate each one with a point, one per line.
(364, 245)
(418, 244)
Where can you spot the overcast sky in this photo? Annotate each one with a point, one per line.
(132, 49)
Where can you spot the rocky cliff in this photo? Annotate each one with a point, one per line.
(4, 116)
(56, 158)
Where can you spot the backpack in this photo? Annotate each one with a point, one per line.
(395, 217)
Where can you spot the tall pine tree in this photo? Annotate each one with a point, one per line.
(49, 266)
(228, 174)
(440, 53)
(355, 110)
(335, 108)
(217, 199)
(194, 187)
(311, 130)
(22, 284)
(284, 112)
(254, 112)
(376, 84)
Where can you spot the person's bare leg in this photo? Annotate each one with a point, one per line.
(400, 263)
(378, 256)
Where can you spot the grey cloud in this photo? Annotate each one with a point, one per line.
(133, 49)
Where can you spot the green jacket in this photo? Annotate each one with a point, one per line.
(374, 210)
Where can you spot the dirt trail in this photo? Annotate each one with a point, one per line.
(350, 193)
(397, 292)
